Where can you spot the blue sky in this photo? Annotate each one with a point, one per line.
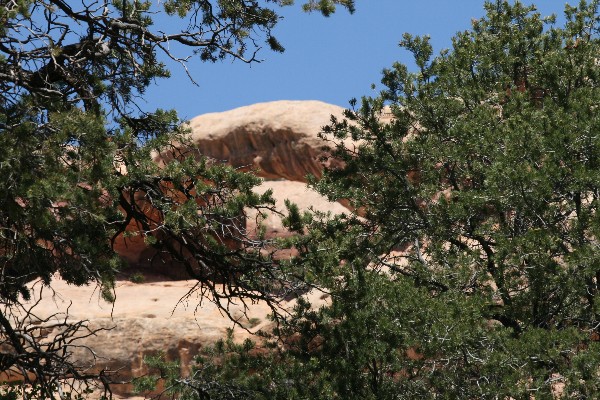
(329, 59)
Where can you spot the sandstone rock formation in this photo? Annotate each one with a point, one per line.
(277, 139)
(146, 319)
(298, 193)
(138, 255)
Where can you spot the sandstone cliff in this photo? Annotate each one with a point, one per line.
(276, 140)
(279, 141)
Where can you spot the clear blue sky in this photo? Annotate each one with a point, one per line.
(329, 59)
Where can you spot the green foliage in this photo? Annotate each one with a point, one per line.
(327, 7)
(470, 268)
(78, 157)
(479, 204)
(229, 370)
(214, 374)
(137, 278)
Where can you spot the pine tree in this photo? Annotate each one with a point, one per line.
(76, 166)
(472, 270)
(470, 265)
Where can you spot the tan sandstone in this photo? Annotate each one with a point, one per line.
(277, 139)
(297, 192)
(145, 319)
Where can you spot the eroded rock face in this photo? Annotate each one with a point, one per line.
(280, 141)
(143, 258)
(139, 255)
(298, 193)
(277, 139)
(146, 319)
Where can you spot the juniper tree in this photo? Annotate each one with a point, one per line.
(76, 149)
(473, 270)
(470, 266)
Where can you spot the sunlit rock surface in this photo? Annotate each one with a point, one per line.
(278, 140)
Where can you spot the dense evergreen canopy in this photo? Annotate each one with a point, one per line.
(76, 166)
(478, 247)
(472, 266)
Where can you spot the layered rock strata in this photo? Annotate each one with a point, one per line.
(276, 140)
